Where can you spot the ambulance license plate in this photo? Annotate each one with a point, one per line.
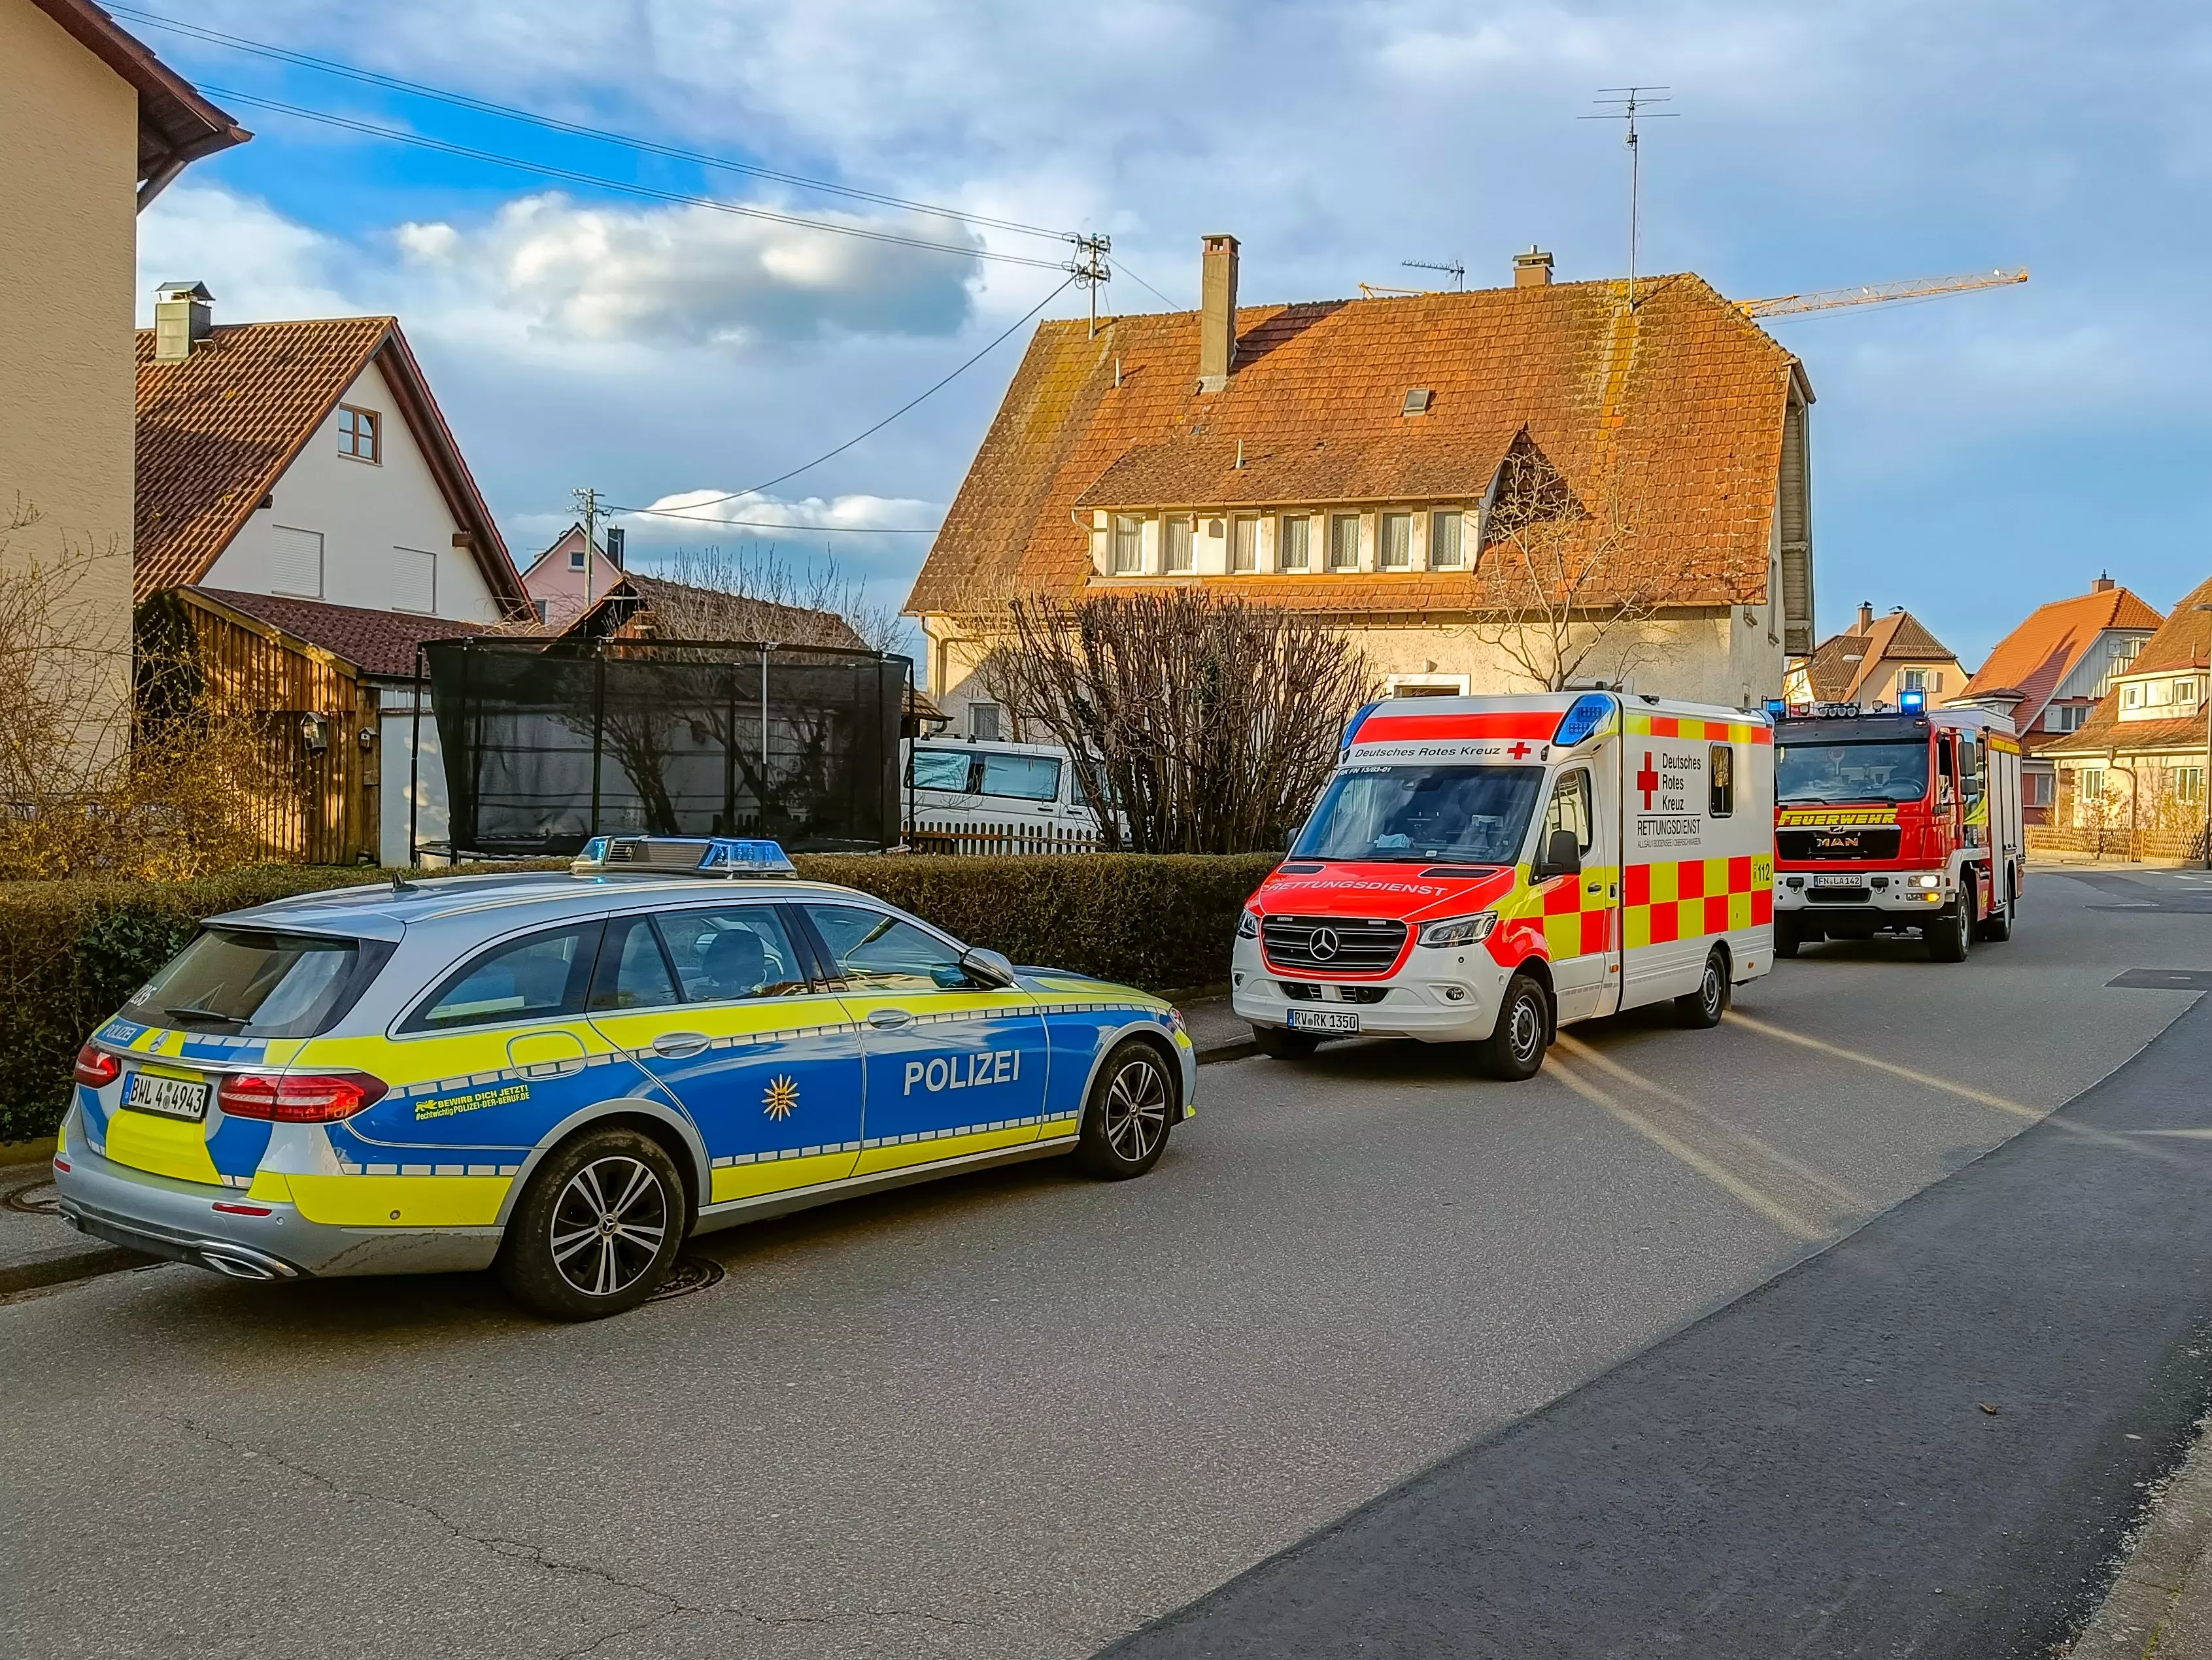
(1323, 1020)
(1839, 880)
(172, 1097)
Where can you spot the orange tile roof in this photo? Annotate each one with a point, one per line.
(216, 431)
(2183, 640)
(1843, 664)
(1682, 403)
(2044, 649)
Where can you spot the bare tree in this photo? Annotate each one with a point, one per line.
(756, 594)
(1207, 725)
(1568, 586)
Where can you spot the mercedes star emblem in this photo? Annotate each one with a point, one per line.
(1323, 943)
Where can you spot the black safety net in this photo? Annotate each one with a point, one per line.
(547, 743)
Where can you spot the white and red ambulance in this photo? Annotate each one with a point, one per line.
(1486, 870)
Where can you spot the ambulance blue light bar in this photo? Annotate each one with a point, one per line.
(688, 855)
(1586, 717)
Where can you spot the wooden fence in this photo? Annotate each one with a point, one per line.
(999, 839)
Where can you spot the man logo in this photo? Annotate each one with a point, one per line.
(1323, 945)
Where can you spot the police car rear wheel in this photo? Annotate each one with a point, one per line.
(1124, 1123)
(597, 1230)
(1515, 1048)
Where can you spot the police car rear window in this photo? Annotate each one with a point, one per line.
(248, 982)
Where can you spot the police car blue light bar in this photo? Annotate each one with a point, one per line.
(669, 855)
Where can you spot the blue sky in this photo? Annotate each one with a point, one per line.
(1973, 456)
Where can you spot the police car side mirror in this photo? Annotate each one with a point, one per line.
(987, 966)
(1563, 856)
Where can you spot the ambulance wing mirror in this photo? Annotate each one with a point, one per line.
(1563, 856)
(987, 966)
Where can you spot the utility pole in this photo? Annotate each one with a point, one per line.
(1627, 104)
(1088, 268)
(587, 503)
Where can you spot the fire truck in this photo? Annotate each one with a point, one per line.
(1903, 820)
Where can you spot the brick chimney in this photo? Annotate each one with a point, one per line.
(1217, 319)
(1532, 269)
(183, 317)
(1866, 617)
(2104, 583)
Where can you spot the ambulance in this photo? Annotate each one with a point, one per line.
(1485, 869)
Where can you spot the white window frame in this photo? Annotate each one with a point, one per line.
(1384, 526)
(1173, 525)
(322, 563)
(1243, 544)
(1125, 532)
(1429, 685)
(1458, 519)
(430, 609)
(1305, 567)
(1336, 521)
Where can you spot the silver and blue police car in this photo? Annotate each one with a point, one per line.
(564, 1074)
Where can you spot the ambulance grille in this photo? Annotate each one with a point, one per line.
(1335, 945)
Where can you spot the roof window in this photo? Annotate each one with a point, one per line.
(1419, 399)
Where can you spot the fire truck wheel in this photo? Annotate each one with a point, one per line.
(1280, 1044)
(1785, 937)
(1515, 1048)
(1950, 939)
(1703, 1008)
(1997, 925)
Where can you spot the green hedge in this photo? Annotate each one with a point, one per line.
(72, 952)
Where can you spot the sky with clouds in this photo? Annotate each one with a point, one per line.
(1973, 456)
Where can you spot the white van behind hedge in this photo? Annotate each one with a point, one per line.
(986, 792)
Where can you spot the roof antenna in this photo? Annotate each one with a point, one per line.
(1456, 270)
(401, 886)
(1628, 103)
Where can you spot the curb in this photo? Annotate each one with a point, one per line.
(2156, 1579)
(64, 1267)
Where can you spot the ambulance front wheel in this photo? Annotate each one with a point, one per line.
(1515, 1048)
(1280, 1044)
(1703, 1008)
(596, 1228)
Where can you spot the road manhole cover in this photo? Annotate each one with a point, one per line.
(690, 1274)
(36, 1198)
(2163, 980)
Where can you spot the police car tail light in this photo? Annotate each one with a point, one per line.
(321, 1098)
(97, 1067)
(1460, 930)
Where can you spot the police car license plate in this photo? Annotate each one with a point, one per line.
(1323, 1020)
(172, 1097)
(1839, 880)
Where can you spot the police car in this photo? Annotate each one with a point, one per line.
(564, 1074)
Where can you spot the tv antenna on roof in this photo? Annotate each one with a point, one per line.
(1629, 104)
(1456, 270)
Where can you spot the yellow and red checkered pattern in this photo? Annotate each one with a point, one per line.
(1687, 898)
(1709, 732)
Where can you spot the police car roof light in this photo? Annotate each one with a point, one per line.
(668, 856)
(727, 856)
(1586, 716)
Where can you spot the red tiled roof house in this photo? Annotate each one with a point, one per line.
(1346, 458)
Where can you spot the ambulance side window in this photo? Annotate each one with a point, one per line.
(1720, 782)
(1570, 810)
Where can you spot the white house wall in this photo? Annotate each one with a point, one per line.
(367, 514)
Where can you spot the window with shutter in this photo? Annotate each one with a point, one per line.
(295, 562)
(415, 581)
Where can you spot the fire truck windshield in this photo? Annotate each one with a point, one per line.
(1424, 814)
(1871, 771)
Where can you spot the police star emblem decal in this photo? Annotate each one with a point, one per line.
(781, 1095)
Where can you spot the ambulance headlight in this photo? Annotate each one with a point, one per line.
(1928, 879)
(1460, 930)
(1247, 926)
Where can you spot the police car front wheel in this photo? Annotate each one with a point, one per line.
(1125, 1122)
(597, 1229)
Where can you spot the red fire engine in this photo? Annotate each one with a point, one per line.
(1895, 821)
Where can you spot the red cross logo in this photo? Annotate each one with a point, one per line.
(1518, 751)
(1647, 781)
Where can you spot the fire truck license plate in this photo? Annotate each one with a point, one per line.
(1323, 1020)
(1839, 880)
(172, 1097)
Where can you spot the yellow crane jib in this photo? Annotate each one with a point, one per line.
(1880, 294)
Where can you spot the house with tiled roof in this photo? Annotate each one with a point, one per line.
(2133, 774)
(1873, 660)
(573, 573)
(307, 461)
(93, 127)
(1351, 458)
(2050, 673)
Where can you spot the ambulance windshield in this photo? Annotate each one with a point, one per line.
(1423, 814)
(1850, 772)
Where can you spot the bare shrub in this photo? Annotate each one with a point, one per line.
(756, 594)
(1207, 725)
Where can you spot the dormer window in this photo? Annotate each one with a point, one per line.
(360, 434)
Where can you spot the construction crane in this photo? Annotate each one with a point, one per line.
(1879, 294)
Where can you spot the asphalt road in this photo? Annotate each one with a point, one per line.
(1020, 1414)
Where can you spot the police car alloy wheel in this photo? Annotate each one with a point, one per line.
(1125, 1122)
(597, 1228)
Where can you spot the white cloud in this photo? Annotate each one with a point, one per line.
(711, 509)
(257, 264)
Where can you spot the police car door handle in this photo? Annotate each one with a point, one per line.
(888, 1018)
(674, 1045)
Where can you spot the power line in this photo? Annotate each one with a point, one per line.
(1122, 265)
(808, 466)
(551, 123)
(570, 175)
